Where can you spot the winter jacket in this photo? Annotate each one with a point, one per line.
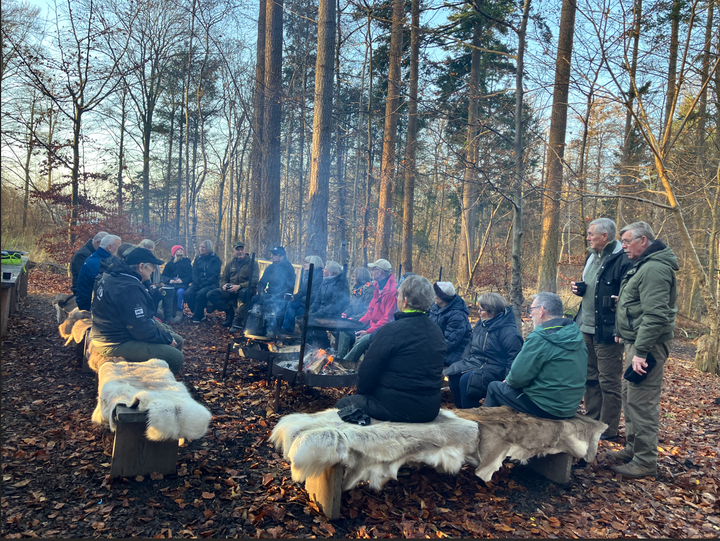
(77, 261)
(237, 272)
(206, 271)
(360, 298)
(455, 326)
(86, 278)
(647, 302)
(333, 297)
(382, 306)
(178, 269)
(490, 354)
(278, 278)
(607, 283)
(551, 367)
(402, 370)
(123, 310)
(301, 294)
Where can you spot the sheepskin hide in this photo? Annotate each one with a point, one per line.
(64, 304)
(505, 432)
(66, 327)
(172, 413)
(315, 442)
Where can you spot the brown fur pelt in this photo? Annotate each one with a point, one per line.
(314, 442)
(67, 326)
(505, 432)
(95, 360)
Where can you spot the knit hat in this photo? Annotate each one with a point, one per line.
(444, 290)
(175, 249)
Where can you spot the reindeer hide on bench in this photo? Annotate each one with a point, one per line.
(314, 442)
(171, 411)
(74, 326)
(505, 432)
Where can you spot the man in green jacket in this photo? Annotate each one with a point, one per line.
(547, 378)
(645, 323)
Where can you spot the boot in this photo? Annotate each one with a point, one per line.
(229, 316)
(623, 455)
(635, 470)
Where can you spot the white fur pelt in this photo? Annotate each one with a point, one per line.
(505, 432)
(172, 413)
(64, 304)
(74, 318)
(374, 453)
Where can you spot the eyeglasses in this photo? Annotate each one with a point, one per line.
(533, 308)
(626, 242)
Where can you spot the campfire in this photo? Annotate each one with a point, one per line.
(320, 361)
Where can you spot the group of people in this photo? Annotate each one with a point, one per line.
(416, 332)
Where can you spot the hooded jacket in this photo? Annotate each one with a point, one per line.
(206, 271)
(333, 297)
(402, 371)
(647, 303)
(178, 269)
(279, 278)
(455, 326)
(86, 278)
(123, 310)
(77, 261)
(382, 306)
(551, 368)
(237, 272)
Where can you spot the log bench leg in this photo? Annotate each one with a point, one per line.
(556, 467)
(326, 490)
(86, 353)
(4, 310)
(133, 453)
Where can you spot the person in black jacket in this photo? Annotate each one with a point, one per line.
(296, 305)
(275, 287)
(178, 275)
(334, 293)
(605, 267)
(400, 378)
(122, 315)
(79, 257)
(451, 314)
(205, 278)
(494, 344)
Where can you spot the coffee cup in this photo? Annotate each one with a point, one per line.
(581, 288)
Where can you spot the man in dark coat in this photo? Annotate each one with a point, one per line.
(94, 265)
(400, 378)
(277, 282)
(605, 267)
(451, 314)
(81, 255)
(122, 315)
(205, 278)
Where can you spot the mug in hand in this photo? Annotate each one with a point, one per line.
(581, 287)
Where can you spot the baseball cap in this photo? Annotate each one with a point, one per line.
(278, 250)
(142, 255)
(382, 264)
(238, 244)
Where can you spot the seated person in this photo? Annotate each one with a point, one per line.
(547, 378)
(360, 297)
(381, 309)
(400, 378)
(451, 314)
(296, 305)
(178, 274)
(488, 356)
(79, 257)
(92, 267)
(205, 278)
(237, 290)
(277, 281)
(333, 298)
(122, 315)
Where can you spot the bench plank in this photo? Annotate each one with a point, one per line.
(326, 490)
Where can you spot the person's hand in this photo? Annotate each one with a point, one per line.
(639, 365)
(360, 334)
(174, 343)
(573, 287)
(615, 297)
(233, 289)
(618, 340)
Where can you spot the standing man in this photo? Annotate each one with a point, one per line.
(92, 267)
(81, 255)
(235, 294)
(645, 323)
(605, 267)
(205, 278)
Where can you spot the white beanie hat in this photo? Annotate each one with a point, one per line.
(446, 288)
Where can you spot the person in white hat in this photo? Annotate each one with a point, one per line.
(452, 316)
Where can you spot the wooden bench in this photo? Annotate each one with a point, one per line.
(14, 287)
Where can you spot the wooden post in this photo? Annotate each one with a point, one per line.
(4, 310)
(326, 490)
(227, 353)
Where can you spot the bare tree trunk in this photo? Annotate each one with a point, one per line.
(368, 176)
(547, 275)
(121, 152)
(353, 240)
(31, 139)
(256, 153)
(382, 237)
(178, 195)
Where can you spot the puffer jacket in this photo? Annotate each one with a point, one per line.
(77, 261)
(647, 303)
(402, 371)
(333, 297)
(455, 326)
(206, 271)
(178, 269)
(301, 294)
(490, 354)
(360, 298)
(382, 307)
(86, 279)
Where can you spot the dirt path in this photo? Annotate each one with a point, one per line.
(232, 484)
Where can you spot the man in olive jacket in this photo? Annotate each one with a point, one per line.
(547, 378)
(605, 267)
(645, 321)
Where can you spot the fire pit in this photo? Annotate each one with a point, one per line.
(319, 370)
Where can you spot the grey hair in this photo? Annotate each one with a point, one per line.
(605, 225)
(107, 240)
(333, 267)
(551, 302)
(640, 229)
(147, 243)
(124, 250)
(418, 292)
(492, 303)
(315, 260)
(99, 236)
(362, 275)
(208, 244)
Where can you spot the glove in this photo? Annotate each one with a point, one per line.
(354, 415)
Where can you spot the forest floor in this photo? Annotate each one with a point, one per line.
(232, 483)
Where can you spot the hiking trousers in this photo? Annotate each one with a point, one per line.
(603, 387)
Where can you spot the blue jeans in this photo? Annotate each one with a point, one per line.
(458, 386)
(180, 298)
(294, 309)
